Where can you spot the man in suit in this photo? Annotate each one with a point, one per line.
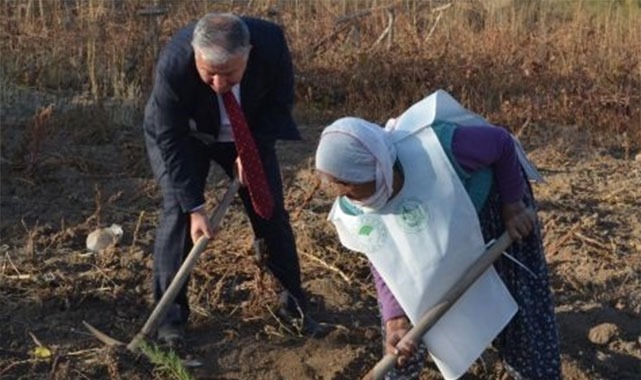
(187, 126)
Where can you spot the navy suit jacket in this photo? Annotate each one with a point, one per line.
(179, 95)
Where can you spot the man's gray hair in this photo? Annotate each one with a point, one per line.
(220, 37)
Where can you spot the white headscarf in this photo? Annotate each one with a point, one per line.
(356, 151)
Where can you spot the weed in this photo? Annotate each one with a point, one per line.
(167, 363)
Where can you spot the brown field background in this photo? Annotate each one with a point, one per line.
(564, 76)
(529, 65)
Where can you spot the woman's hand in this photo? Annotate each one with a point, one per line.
(519, 220)
(396, 328)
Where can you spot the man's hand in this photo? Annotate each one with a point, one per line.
(519, 220)
(238, 171)
(200, 225)
(396, 329)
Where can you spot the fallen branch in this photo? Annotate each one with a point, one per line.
(105, 277)
(16, 363)
(388, 32)
(307, 199)
(345, 22)
(366, 12)
(134, 239)
(591, 241)
(560, 242)
(324, 40)
(523, 127)
(18, 276)
(438, 18)
(35, 340)
(83, 352)
(614, 193)
(352, 16)
(282, 326)
(328, 266)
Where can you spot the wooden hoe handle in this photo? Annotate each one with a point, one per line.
(432, 316)
(181, 276)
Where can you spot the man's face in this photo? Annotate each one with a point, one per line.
(221, 78)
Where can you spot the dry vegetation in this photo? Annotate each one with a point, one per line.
(536, 64)
(563, 75)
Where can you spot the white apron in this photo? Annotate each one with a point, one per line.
(441, 106)
(421, 242)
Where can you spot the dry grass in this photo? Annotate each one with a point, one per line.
(533, 64)
(564, 75)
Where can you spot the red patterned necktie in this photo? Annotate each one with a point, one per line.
(252, 166)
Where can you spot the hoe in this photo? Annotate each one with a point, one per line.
(432, 316)
(177, 283)
(428, 320)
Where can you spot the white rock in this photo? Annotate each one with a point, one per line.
(102, 238)
(603, 333)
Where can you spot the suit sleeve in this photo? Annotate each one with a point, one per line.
(172, 134)
(276, 110)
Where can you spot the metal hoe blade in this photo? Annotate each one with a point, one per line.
(104, 338)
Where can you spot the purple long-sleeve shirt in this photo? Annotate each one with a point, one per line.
(474, 148)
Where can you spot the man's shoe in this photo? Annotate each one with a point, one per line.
(171, 335)
(313, 329)
(294, 313)
(304, 324)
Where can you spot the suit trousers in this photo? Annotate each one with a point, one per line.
(173, 240)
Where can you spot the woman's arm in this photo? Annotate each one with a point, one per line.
(390, 308)
(477, 147)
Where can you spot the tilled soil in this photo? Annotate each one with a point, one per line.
(79, 178)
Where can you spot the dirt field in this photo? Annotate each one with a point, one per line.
(87, 173)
